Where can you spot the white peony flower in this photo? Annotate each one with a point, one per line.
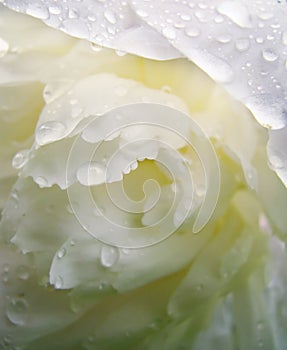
(143, 175)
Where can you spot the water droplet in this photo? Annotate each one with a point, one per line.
(59, 282)
(61, 253)
(276, 161)
(109, 256)
(17, 310)
(259, 40)
(41, 181)
(49, 132)
(91, 173)
(185, 17)
(169, 33)
(284, 38)
(110, 16)
(269, 55)
(120, 53)
(242, 44)
(4, 47)
(37, 10)
(5, 277)
(20, 159)
(55, 10)
(192, 32)
(23, 272)
(224, 38)
(95, 47)
(141, 13)
(73, 13)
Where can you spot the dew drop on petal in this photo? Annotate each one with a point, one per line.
(91, 173)
(59, 282)
(110, 16)
(38, 10)
(169, 33)
(55, 10)
(20, 159)
(269, 55)
(242, 44)
(192, 32)
(109, 256)
(49, 132)
(41, 181)
(61, 253)
(17, 310)
(23, 272)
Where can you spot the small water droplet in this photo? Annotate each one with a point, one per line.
(242, 44)
(49, 132)
(73, 13)
(169, 33)
(276, 161)
(59, 282)
(17, 310)
(224, 38)
(109, 256)
(41, 181)
(120, 53)
(91, 173)
(4, 47)
(20, 159)
(55, 10)
(167, 89)
(61, 253)
(23, 272)
(141, 13)
(192, 32)
(38, 10)
(110, 16)
(95, 47)
(269, 55)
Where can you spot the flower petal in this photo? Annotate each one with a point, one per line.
(107, 23)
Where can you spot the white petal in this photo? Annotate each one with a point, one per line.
(108, 23)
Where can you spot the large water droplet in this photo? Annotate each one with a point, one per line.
(109, 256)
(4, 47)
(49, 132)
(20, 159)
(91, 173)
(17, 310)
